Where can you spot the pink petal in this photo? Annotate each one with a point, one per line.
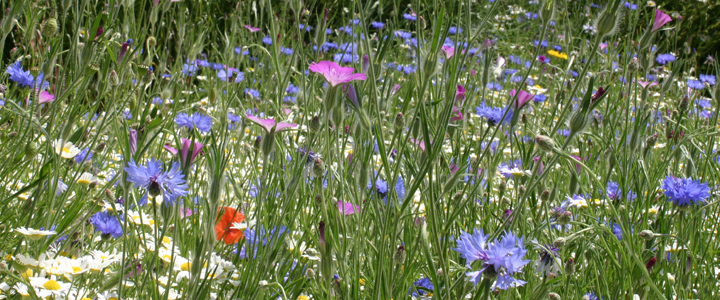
(347, 208)
(268, 124)
(336, 74)
(171, 149)
(421, 144)
(287, 111)
(282, 125)
(45, 97)
(449, 51)
(460, 93)
(661, 19)
(523, 98)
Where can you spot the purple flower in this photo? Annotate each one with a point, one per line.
(685, 191)
(347, 208)
(155, 181)
(197, 149)
(270, 124)
(410, 17)
(423, 283)
(615, 193)
(252, 29)
(107, 224)
(503, 257)
(377, 25)
(83, 156)
(710, 79)
(335, 74)
(695, 84)
(522, 99)
(661, 19)
(494, 115)
(18, 75)
(665, 58)
(197, 120)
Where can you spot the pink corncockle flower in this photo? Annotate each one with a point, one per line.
(456, 114)
(542, 59)
(603, 46)
(661, 19)
(365, 63)
(45, 97)
(270, 124)
(336, 74)
(197, 149)
(522, 99)
(347, 208)
(454, 168)
(420, 143)
(646, 84)
(252, 29)
(448, 51)
(287, 111)
(396, 88)
(460, 93)
(133, 141)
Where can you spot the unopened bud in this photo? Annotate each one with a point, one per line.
(50, 27)
(545, 195)
(502, 187)
(570, 266)
(554, 296)
(608, 22)
(315, 124)
(310, 273)
(399, 122)
(651, 140)
(559, 242)
(31, 150)
(545, 143)
(13, 134)
(564, 218)
(647, 234)
(670, 278)
(109, 195)
(319, 168)
(684, 104)
(400, 254)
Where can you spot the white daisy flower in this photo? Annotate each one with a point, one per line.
(66, 150)
(34, 234)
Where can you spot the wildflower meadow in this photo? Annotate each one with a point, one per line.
(337, 149)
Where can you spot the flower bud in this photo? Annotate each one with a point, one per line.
(400, 254)
(564, 218)
(258, 142)
(31, 150)
(310, 273)
(100, 147)
(113, 78)
(554, 296)
(399, 122)
(570, 266)
(609, 21)
(670, 278)
(651, 140)
(315, 124)
(547, 12)
(319, 168)
(502, 187)
(684, 104)
(545, 143)
(634, 64)
(647, 234)
(50, 27)
(545, 195)
(559, 242)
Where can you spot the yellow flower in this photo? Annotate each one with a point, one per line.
(556, 54)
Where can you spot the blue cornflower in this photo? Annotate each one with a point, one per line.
(234, 120)
(494, 115)
(685, 191)
(267, 40)
(409, 69)
(454, 30)
(286, 51)
(494, 86)
(189, 69)
(60, 188)
(224, 75)
(665, 58)
(539, 98)
(710, 79)
(197, 120)
(252, 92)
(292, 89)
(423, 283)
(410, 17)
(615, 193)
(630, 6)
(377, 25)
(403, 34)
(381, 187)
(83, 156)
(502, 258)
(18, 75)
(155, 181)
(511, 169)
(346, 58)
(695, 84)
(543, 44)
(107, 224)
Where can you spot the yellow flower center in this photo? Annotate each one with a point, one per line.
(76, 269)
(185, 266)
(84, 182)
(52, 285)
(65, 150)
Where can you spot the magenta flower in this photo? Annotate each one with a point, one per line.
(269, 124)
(522, 99)
(661, 19)
(448, 51)
(645, 84)
(45, 97)
(197, 149)
(133, 142)
(252, 29)
(336, 74)
(456, 114)
(420, 143)
(460, 93)
(347, 208)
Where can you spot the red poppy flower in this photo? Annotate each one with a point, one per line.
(224, 229)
